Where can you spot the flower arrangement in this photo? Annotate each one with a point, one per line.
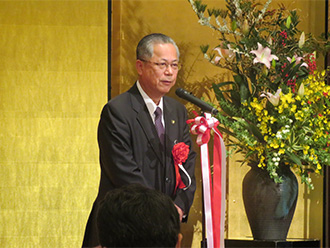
(276, 109)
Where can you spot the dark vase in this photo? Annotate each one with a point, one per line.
(269, 206)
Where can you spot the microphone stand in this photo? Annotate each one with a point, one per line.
(204, 239)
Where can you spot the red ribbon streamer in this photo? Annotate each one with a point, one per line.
(179, 184)
(202, 127)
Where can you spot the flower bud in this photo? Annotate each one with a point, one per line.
(245, 27)
(301, 40)
(288, 22)
(270, 40)
(273, 63)
(264, 71)
(301, 90)
(233, 25)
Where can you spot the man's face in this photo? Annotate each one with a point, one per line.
(154, 80)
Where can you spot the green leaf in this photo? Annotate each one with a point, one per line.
(199, 6)
(249, 154)
(232, 93)
(221, 98)
(252, 129)
(226, 83)
(224, 130)
(204, 48)
(255, 131)
(297, 147)
(293, 158)
(243, 87)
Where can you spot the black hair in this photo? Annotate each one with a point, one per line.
(136, 216)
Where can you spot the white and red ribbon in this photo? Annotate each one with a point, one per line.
(214, 189)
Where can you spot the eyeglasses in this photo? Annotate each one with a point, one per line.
(164, 65)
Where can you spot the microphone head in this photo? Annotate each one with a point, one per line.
(180, 92)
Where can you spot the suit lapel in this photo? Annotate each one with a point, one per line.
(145, 121)
(170, 128)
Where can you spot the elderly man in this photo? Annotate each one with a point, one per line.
(138, 129)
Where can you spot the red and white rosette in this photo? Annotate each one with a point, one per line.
(214, 189)
(180, 154)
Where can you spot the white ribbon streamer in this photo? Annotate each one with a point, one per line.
(207, 194)
(186, 173)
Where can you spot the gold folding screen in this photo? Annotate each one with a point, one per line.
(53, 83)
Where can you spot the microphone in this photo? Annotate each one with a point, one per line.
(198, 102)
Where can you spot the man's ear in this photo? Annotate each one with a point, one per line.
(178, 244)
(139, 66)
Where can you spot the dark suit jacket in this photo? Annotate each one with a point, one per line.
(130, 151)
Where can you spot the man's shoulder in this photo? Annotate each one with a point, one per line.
(120, 99)
(125, 102)
(125, 98)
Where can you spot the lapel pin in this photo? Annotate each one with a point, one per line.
(173, 121)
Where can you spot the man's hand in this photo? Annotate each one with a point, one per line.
(179, 211)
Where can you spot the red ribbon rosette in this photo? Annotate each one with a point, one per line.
(201, 126)
(180, 154)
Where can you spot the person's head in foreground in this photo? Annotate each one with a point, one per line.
(136, 216)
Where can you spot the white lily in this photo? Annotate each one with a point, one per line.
(274, 99)
(263, 55)
(223, 54)
(298, 60)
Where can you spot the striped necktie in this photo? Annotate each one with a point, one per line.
(159, 125)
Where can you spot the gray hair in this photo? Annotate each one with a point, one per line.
(145, 48)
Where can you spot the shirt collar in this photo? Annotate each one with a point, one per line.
(148, 101)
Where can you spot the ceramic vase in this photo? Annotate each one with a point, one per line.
(269, 206)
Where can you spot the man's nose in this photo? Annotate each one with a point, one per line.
(169, 70)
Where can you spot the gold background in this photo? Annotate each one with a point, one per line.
(53, 84)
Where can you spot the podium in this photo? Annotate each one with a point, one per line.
(289, 243)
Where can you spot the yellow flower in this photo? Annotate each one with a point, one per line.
(281, 151)
(274, 144)
(306, 148)
(261, 162)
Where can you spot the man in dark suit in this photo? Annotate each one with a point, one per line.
(136, 141)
